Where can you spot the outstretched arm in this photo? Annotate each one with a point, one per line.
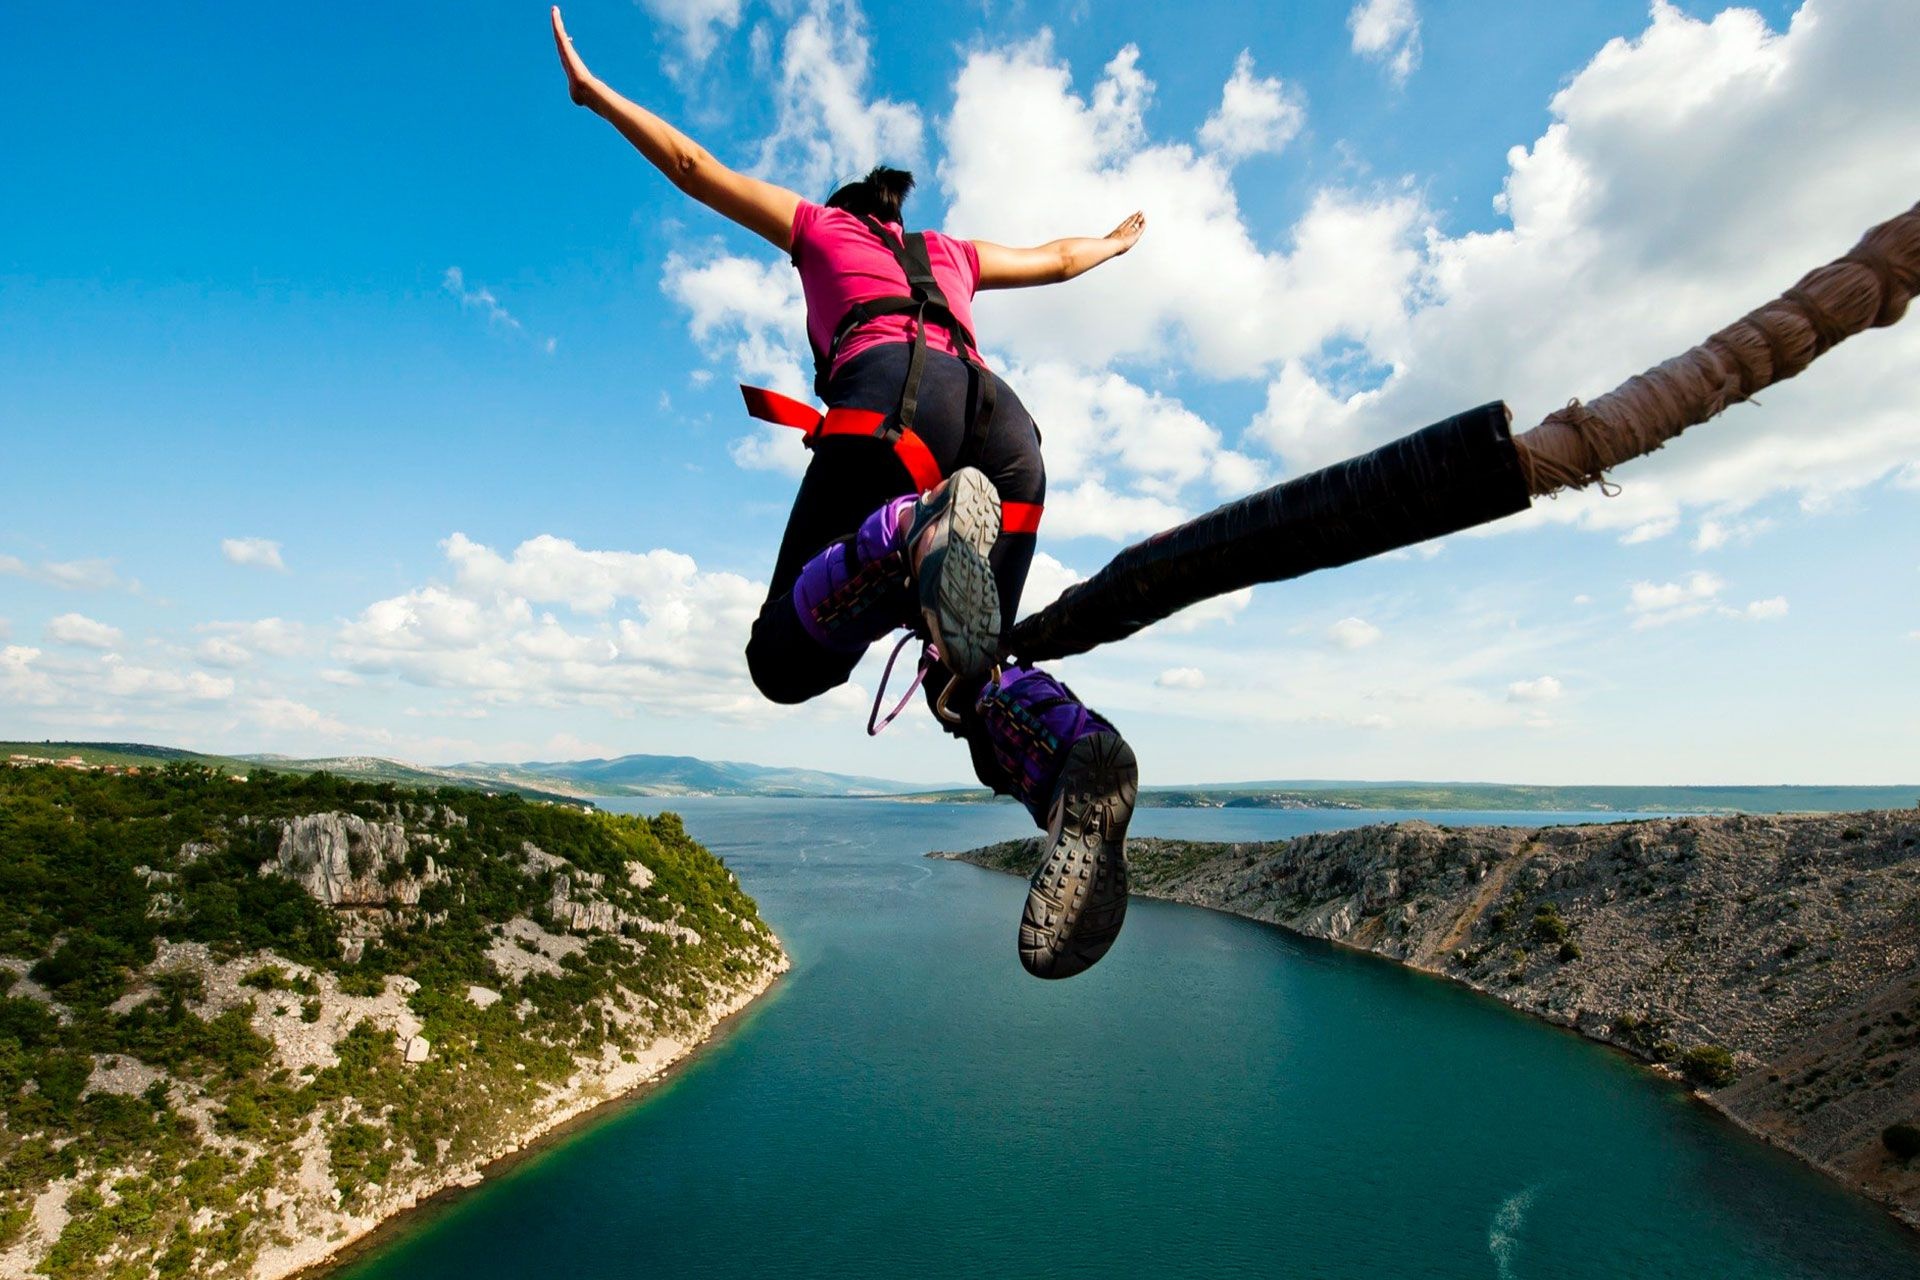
(761, 207)
(1057, 260)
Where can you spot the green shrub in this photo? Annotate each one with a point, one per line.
(1902, 1140)
(1708, 1064)
(1569, 950)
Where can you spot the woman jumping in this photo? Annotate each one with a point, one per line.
(920, 505)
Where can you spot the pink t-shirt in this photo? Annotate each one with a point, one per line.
(841, 263)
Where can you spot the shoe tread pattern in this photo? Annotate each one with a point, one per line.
(958, 594)
(1077, 897)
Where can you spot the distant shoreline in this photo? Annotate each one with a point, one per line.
(1772, 961)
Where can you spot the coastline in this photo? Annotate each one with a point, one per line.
(595, 1100)
(1404, 893)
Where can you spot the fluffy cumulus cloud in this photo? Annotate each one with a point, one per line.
(256, 553)
(1256, 114)
(1352, 633)
(1540, 689)
(829, 128)
(1199, 289)
(1387, 32)
(1688, 174)
(78, 629)
(750, 310)
(556, 624)
(1699, 594)
(1655, 604)
(1181, 678)
(235, 644)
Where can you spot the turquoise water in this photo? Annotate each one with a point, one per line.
(1214, 1099)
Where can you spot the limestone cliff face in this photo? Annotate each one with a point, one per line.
(346, 861)
(1790, 943)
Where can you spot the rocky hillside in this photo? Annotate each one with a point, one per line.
(1774, 961)
(241, 1022)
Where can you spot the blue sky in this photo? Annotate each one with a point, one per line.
(361, 395)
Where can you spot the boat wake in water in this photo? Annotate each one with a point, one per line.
(1503, 1233)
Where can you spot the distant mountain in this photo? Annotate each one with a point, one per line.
(565, 780)
(645, 775)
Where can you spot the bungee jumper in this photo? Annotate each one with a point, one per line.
(926, 487)
(919, 506)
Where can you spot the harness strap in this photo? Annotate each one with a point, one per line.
(785, 411)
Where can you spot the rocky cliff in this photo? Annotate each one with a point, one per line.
(1774, 961)
(242, 1023)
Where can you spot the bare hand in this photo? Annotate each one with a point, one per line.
(579, 79)
(1128, 232)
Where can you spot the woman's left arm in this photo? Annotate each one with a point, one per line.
(1057, 260)
(761, 207)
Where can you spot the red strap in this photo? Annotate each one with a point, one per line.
(851, 422)
(785, 411)
(918, 460)
(1020, 517)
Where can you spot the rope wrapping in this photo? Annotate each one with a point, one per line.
(1867, 288)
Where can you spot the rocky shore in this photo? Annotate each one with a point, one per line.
(236, 1054)
(1774, 961)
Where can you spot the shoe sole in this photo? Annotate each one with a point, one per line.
(959, 597)
(1077, 898)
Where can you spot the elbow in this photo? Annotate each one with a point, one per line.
(688, 168)
(1067, 265)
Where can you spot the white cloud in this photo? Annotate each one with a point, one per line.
(1541, 689)
(828, 128)
(1765, 610)
(1353, 633)
(1256, 114)
(218, 651)
(69, 575)
(78, 629)
(1583, 599)
(260, 553)
(755, 308)
(555, 624)
(22, 682)
(1198, 287)
(1387, 32)
(700, 23)
(1046, 579)
(1655, 604)
(478, 298)
(271, 636)
(1687, 175)
(1125, 458)
(1716, 533)
(1181, 678)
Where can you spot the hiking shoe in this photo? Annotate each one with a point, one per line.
(949, 539)
(1078, 778)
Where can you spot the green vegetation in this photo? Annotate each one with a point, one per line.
(1708, 1064)
(1902, 1141)
(104, 876)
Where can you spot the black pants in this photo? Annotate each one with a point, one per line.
(850, 476)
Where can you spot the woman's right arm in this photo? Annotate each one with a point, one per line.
(1057, 260)
(761, 207)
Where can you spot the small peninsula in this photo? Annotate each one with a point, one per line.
(245, 1020)
(1773, 961)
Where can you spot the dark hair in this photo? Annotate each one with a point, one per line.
(878, 195)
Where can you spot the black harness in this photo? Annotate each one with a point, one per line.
(925, 302)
